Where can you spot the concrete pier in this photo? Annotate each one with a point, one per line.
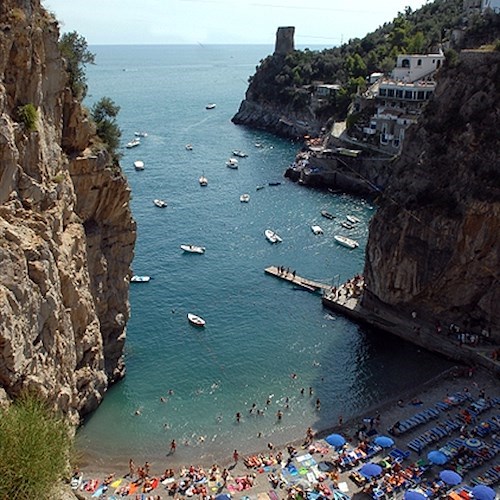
(292, 277)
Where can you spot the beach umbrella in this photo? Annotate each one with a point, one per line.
(384, 441)
(450, 477)
(414, 495)
(336, 440)
(483, 492)
(370, 470)
(437, 457)
(223, 496)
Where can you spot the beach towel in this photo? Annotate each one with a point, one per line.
(116, 483)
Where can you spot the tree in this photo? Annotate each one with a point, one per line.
(104, 113)
(75, 51)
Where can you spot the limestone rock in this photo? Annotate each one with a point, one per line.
(66, 231)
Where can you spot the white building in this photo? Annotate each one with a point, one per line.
(493, 5)
(410, 68)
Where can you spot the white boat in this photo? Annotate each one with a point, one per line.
(139, 165)
(352, 219)
(139, 279)
(316, 229)
(327, 214)
(193, 248)
(160, 203)
(272, 236)
(210, 106)
(245, 198)
(196, 320)
(346, 242)
(346, 225)
(258, 188)
(189, 147)
(232, 163)
(203, 181)
(141, 134)
(239, 153)
(133, 143)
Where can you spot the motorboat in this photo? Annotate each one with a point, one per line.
(189, 147)
(196, 320)
(327, 214)
(133, 143)
(210, 106)
(345, 241)
(140, 279)
(258, 188)
(346, 225)
(193, 248)
(352, 219)
(203, 181)
(245, 198)
(316, 229)
(272, 236)
(141, 134)
(239, 153)
(160, 203)
(232, 163)
(139, 165)
(277, 183)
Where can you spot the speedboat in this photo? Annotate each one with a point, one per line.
(346, 242)
(133, 143)
(203, 181)
(139, 279)
(258, 188)
(196, 320)
(141, 134)
(232, 163)
(139, 165)
(189, 147)
(352, 219)
(210, 106)
(193, 249)
(245, 198)
(272, 236)
(316, 229)
(326, 214)
(346, 225)
(160, 203)
(239, 153)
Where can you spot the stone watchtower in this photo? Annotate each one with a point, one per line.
(284, 40)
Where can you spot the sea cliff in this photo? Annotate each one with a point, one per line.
(66, 231)
(434, 243)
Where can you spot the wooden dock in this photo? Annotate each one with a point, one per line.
(292, 277)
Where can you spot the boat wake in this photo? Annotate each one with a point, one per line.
(189, 127)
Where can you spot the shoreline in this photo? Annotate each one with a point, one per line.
(102, 465)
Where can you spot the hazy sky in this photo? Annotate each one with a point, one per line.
(319, 22)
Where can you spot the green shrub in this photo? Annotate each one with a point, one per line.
(35, 446)
(28, 115)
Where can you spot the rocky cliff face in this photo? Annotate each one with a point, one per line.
(66, 231)
(434, 244)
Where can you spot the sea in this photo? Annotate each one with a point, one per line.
(266, 344)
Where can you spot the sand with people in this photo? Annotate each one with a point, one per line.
(283, 471)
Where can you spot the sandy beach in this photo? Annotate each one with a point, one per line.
(376, 420)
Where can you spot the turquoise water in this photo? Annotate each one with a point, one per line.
(259, 330)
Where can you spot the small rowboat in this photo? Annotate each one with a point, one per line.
(327, 214)
(195, 320)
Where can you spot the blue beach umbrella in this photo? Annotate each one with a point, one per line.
(414, 495)
(223, 496)
(370, 470)
(384, 441)
(450, 477)
(437, 457)
(336, 440)
(483, 492)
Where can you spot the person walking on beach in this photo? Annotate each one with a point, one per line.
(131, 468)
(173, 446)
(236, 456)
